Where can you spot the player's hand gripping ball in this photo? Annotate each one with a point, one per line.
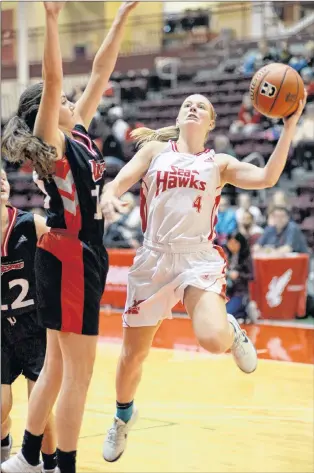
(276, 90)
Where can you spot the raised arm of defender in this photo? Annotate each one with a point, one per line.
(47, 120)
(103, 66)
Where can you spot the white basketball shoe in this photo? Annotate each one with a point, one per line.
(18, 464)
(243, 350)
(116, 439)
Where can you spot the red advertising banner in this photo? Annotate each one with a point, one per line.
(280, 286)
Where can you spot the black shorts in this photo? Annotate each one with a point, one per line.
(23, 348)
(70, 281)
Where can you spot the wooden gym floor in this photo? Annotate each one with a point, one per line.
(199, 413)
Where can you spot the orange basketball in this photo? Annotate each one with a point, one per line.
(276, 90)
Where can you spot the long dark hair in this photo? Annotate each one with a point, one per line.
(18, 142)
(244, 251)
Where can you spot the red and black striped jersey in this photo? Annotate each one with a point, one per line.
(75, 189)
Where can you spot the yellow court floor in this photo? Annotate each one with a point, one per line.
(199, 413)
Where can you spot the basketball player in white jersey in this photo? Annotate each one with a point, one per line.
(181, 189)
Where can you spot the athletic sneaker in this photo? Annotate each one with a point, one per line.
(6, 451)
(115, 442)
(18, 464)
(243, 350)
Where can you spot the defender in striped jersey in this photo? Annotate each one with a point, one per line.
(181, 187)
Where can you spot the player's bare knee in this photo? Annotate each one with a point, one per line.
(52, 369)
(79, 374)
(131, 356)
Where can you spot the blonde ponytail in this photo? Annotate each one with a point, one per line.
(144, 135)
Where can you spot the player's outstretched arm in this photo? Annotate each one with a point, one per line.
(129, 175)
(249, 176)
(47, 120)
(103, 66)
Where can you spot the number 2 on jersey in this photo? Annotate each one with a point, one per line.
(20, 300)
(197, 204)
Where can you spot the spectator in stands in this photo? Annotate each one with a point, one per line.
(309, 53)
(305, 59)
(265, 54)
(133, 124)
(284, 236)
(222, 145)
(307, 75)
(244, 202)
(101, 133)
(117, 235)
(239, 273)
(249, 229)
(248, 118)
(304, 139)
(279, 199)
(118, 124)
(305, 130)
(256, 59)
(298, 62)
(248, 66)
(227, 222)
(133, 217)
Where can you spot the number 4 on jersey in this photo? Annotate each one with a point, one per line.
(197, 204)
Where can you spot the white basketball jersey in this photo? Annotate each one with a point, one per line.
(180, 195)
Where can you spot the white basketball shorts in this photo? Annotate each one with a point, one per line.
(160, 274)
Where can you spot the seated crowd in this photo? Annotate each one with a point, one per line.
(243, 233)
